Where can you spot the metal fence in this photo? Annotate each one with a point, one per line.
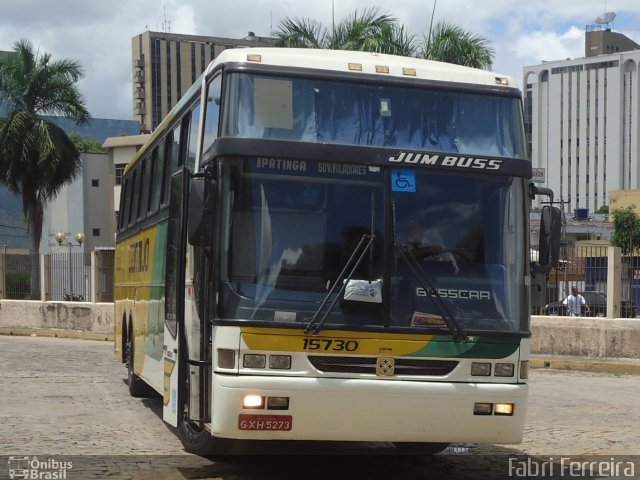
(104, 263)
(59, 276)
(586, 268)
(69, 275)
(19, 276)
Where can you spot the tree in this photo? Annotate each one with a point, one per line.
(452, 44)
(372, 30)
(37, 158)
(86, 145)
(626, 229)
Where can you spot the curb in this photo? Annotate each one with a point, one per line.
(596, 365)
(52, 332)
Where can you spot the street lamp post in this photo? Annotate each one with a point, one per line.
(60, 238)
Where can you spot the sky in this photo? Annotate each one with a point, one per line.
(98, 33)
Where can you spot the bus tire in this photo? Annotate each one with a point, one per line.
(137, 387)
(195, 439)
(419, 448)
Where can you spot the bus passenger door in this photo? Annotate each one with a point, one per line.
(187, 354)
(174, 294)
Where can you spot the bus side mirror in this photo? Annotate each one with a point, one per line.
(549, 241)
(202, 210)
(550, 233)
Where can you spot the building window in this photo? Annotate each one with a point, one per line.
(96, 232)
(119, 172)
(95, 182)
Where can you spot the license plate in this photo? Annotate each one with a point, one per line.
(265, 422)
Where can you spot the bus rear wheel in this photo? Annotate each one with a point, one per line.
(419, 448)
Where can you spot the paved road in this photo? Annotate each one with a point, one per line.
(66, 400)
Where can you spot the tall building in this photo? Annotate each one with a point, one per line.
(603, 41)
(165, 65)
(583, 123)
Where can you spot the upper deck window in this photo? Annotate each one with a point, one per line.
(340, 112)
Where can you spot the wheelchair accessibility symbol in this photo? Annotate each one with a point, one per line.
(403, 180)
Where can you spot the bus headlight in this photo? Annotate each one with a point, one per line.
(480, 369)
(253, 401)
(254, 360)
(503, 409)
(504, 370)
(278, 403)
(280, 362)
(483, 408)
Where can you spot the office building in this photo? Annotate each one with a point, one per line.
(582, 120)
(166, 64)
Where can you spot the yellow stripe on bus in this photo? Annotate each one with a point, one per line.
(333, 341)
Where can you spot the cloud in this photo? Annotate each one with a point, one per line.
(545, 46)
(98, 33)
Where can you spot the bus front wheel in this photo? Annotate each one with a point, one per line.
(195, 438)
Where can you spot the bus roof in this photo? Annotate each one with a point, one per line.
(363, 62)
(338, 61)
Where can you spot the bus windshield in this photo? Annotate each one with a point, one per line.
(340, 112)
(290, 226)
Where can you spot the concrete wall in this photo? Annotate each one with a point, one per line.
(586, 337)
(555, 336)
(86, 320)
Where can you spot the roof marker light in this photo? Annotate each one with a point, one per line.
(356, 67)
(502, 81)
(254, 57)
(382, 69)
(411, 72)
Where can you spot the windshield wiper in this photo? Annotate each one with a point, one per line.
(457, 330)
(364, 245)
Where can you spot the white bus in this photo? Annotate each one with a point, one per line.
(332, 245)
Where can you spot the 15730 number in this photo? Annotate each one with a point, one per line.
(330, 344)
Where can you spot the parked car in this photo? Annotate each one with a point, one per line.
(597, 302)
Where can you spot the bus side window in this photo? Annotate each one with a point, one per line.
(157, 178)
(145, 182)
(124, 204)
(171, 163)
(211, 115)
(133, 201)
(192, 125)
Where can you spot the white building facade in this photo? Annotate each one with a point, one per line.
(583, 126)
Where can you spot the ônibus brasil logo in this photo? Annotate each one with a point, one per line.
(31, 468)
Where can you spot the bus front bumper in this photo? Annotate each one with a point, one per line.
(379, 410)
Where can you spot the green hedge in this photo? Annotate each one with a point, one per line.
(17, 284)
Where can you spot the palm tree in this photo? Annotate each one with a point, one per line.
(370, 30)
(375, 31)
(37, 158)
(452, 44)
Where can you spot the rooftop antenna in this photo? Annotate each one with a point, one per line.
(606, 18)
(166, 24)
(433, 12)
(333, 18)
